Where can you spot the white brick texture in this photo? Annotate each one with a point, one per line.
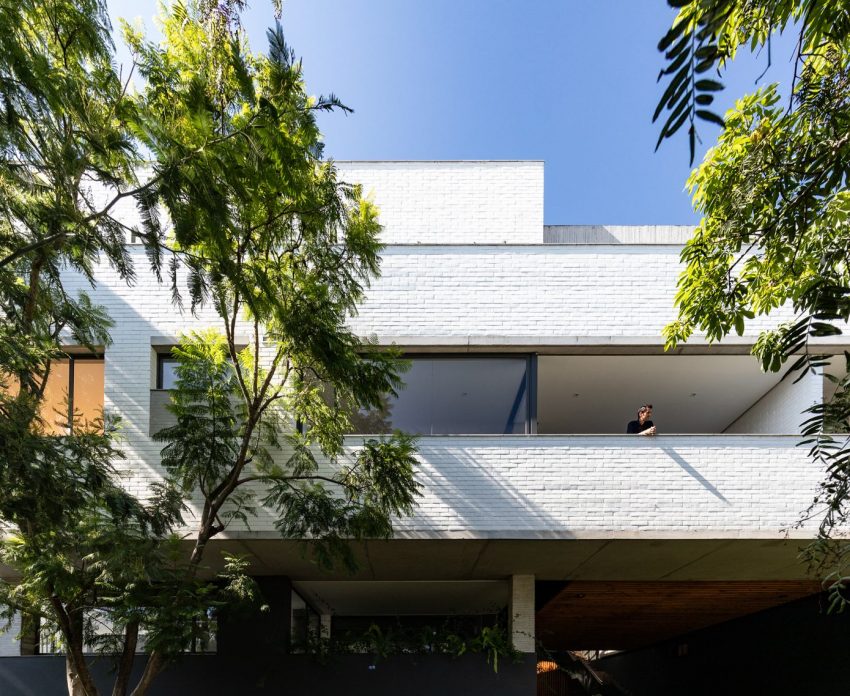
(530, 291)
(454, 202)
(510, 486)
(572, 487)
(467, 291)
(781, 409)
(9, 645)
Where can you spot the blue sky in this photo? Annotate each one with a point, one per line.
(568, 82)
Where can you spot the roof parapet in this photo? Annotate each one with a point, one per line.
(617, 234)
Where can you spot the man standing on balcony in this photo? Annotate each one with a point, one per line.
(642, 426)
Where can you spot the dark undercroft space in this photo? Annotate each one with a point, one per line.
(293, 675)
(792, 650)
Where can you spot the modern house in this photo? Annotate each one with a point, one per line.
(532, 346)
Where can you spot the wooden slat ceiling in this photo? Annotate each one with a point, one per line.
(625, 615)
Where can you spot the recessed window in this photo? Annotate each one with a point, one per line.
(166, 371)
(456, 395)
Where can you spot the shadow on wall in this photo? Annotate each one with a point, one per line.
(139, 312)
(693, 473)
(462, 493)
(540, 487)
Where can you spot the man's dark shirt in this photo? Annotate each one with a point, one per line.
(634, 427)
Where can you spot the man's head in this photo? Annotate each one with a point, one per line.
(644, 413)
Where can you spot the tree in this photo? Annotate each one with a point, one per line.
(774, 202)
(264, 232)
(69, 529)
(283, 251)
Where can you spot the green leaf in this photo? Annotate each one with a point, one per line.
(710, 116)
(708, 85)
(672, 34)
(739, 325)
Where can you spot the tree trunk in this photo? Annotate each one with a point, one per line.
(79, 681)
(128, 657)
(152, 668)
(77, 674)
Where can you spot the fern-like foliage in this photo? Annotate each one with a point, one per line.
(775, 229)
(707, 34)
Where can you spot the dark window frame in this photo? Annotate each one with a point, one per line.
(162, 358)
(164, 355)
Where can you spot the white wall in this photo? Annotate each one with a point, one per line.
(477, 292)
(719, 486)
(9, 646)
(471, 202)
(456, 202)
(781, 409)
(530, 291)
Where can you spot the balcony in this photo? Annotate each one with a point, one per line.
(610, 486)
(584, 507)
(531, 447)
(505, 394)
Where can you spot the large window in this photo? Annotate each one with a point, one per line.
(101, 631)
(74, 386)
(457, 395)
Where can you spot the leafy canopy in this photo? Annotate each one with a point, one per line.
(774, 202)
(261, 228)
(284, 252)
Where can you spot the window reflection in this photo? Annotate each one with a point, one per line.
(166, 372)
(456, 395)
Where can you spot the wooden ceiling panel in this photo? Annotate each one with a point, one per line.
(625, 615)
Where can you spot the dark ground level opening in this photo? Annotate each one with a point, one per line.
(792, 649)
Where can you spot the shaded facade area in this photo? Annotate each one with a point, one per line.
(790, 650)
(628, 615)
(293, 675)
(588, 392)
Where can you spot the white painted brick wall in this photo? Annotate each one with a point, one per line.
(461, 202)
(530, 291)
(9, 645)
(139, 312)
(503, 485)
(468, 294)
(454, 202)
(781, 409)
(688, 486)
(472, 293)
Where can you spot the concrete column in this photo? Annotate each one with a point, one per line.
(521, 615)
(325, 626)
